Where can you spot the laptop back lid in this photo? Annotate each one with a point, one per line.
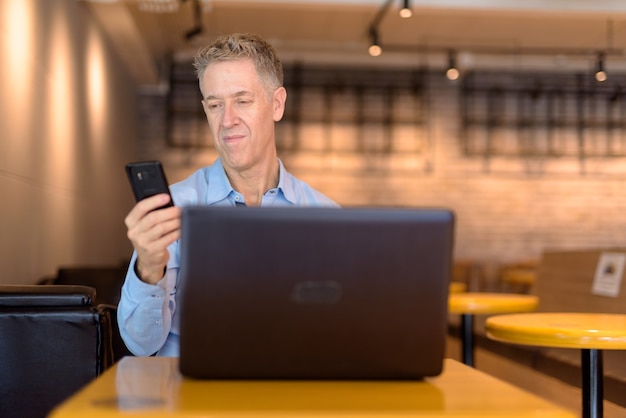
(314, 293)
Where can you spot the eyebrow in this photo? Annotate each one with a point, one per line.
(237, 94)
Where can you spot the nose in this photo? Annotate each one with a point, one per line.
(230, 116)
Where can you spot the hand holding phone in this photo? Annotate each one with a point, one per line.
(147, 178)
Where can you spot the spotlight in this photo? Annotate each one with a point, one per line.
(452, 73)
(193, 32)
(406, 11)
(197, 28)
(375, 49)
(600, 73)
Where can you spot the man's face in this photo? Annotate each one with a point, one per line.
(241, 113)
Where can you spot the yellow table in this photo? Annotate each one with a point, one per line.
(521, 279)
(590, 332)
(470, 304)
(457, 287)
(520, 276)
(153, 387)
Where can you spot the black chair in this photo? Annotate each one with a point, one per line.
(108, 281)
(53, 341)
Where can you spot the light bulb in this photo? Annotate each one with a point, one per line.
(375, 50)
(452, 74)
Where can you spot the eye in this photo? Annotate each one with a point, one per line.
(213, 106)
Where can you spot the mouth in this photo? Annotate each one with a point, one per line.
(232, 138)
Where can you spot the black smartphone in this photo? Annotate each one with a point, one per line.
(147, 178)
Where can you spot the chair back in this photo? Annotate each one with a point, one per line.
(53, 341)
(108, 281)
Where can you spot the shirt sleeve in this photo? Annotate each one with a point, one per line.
(145, 311)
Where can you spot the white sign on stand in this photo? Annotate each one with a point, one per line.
(609, 271)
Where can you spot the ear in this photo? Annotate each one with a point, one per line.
(280, 97)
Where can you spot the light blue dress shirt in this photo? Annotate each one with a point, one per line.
(147, 314)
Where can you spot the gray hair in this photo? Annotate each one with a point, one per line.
(238, 46)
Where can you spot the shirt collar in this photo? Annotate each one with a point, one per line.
(286, 183)
(220, 187)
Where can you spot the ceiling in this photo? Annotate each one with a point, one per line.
(556, 32)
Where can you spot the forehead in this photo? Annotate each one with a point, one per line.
(227, 77)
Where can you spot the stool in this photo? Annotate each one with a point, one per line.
(470, 304)
(457, 287)
(590, 332)
(520, 279)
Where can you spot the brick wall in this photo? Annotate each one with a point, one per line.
(508, 208)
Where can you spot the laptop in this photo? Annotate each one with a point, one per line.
(314, 293)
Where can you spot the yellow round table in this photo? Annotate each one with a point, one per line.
(521, 279)
(520, 276)
(477, 303)
(457, 287)
(589, 332)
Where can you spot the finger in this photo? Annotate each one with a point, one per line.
(168, 238)
(136, 228)
(162, 215)
(145, 206)
(147, 236)
(161, 229)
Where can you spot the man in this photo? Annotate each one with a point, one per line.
(241, 80)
